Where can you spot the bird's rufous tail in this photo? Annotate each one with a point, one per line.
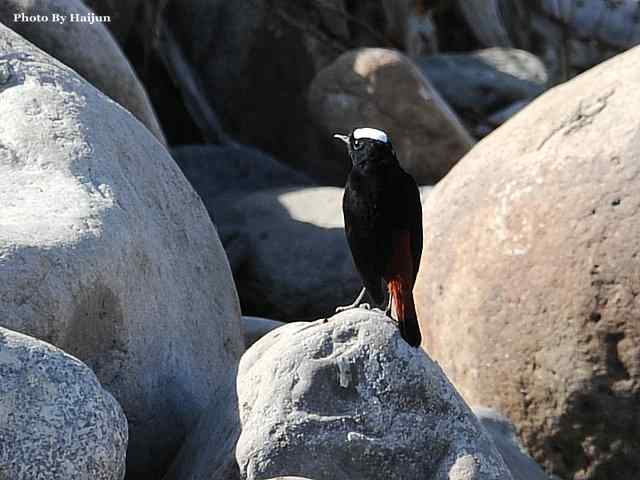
(404, 310)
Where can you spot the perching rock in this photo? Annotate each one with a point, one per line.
(108, 253)
(503, 434)
(384, 89)
(347, 398)
(87, 48)
(532, 252)
(483, 82)
(56, 420)
(255, 328)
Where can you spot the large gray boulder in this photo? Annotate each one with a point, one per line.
(108, 253)
(87, 48)
(56, 420)
(347, 398)
(532, 252)
(382, 88)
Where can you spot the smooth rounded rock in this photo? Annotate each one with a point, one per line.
(527, 291)
(108, 253)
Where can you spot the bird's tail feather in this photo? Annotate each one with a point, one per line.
(404, 310)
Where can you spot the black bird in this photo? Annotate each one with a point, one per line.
(383, 223)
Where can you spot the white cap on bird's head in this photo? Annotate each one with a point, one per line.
(370, 133)
(366, 132)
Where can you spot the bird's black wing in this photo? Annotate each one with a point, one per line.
(412, 218)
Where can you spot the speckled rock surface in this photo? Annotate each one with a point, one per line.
(347, 398)
(108, 253)
(381, 88)
(56, 421)
(87, 48)
(528, 289)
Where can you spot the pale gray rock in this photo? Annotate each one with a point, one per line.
(535, 233)
(256, 327)
(503, 434)
(108, 253)
(382, 88)
(347, 398)
(56, 420)
(87, 48)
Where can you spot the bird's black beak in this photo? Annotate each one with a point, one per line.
(344, 138)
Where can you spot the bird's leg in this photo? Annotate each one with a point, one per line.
(356, 302)
(387, 311)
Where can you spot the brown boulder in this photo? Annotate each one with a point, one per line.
(528, 289)
(382, 88)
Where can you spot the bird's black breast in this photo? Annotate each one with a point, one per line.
(376, 205)
(366, 218)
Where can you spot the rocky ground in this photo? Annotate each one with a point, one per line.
(172, 245)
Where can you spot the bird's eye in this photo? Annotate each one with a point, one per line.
(357, 144)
